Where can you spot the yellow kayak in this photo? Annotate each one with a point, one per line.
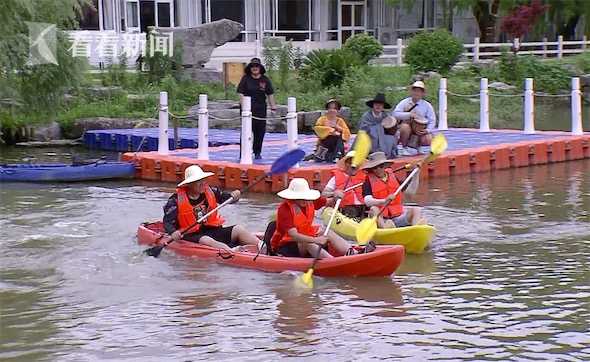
(415, 239)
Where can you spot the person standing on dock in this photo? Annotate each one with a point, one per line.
(258, 87)
(193, 199)
(418, 119)
(372, 122)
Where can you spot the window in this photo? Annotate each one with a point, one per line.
(227, 9)
(294, 15)
(132, 15)
(88, 18)
(164, 15)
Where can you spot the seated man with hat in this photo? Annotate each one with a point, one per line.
(372, 123)
(333, 133)
(296, 235)
(418, 119)
(343, 177)
(193, 199)
(378, 190)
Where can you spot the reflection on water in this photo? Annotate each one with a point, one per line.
(507, 278)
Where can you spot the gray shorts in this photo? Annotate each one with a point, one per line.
(402, 220)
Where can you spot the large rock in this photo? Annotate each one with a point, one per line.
(46, 132)
(87, 124)
(500, 86)
(198, 42)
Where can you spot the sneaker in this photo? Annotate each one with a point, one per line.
(423, 150)
(404, 151)
(370, 247)
(350, 251)
(262, 247)
(257, 157)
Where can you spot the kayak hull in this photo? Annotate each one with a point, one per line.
(56, 172)
(416, 239)
(379, 263)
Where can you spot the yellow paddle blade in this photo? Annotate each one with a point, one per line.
(306, 280)
(362, 147)
(323, 131)
(365, 230)
(439, 144)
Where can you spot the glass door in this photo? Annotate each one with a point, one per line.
(164, 13)
(351, 19)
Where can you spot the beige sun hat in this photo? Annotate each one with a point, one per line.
(418, 84)
(299, 190)
(375, 159)
(193, 174)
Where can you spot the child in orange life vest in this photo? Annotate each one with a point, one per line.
(296, 235)
(192, 200)
(378, 190)
(345, 176)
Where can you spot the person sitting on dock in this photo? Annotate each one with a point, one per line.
(193, 199)
(333, 133)
(346, 177)
(378, 190)
(295, 234)
(418, 119)
(372, 123)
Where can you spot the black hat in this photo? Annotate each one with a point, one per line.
(335, 101)
(379, 98)
(255, 62)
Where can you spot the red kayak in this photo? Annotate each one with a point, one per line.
(381, 262)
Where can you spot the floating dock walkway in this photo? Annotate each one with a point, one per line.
(470, 151)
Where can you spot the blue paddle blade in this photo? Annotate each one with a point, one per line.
(286, 161)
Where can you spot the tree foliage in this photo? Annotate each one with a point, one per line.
(522, 19)
(38, 86)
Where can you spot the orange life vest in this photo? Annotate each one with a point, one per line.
(341, 179)
(381, 189)
(303, 222)
(186, 211)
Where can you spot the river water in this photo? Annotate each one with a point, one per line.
(507, 279)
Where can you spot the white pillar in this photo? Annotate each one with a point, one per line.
(442, 105)
(292, 123)
(476, 49)
(484, 106)
(400, 53)
(576, 107)
(203, 128)
(545, 47)
(246, 156)
(163, 124)
(529, 106)
(560, 46)
(584, 41)
(516, 45)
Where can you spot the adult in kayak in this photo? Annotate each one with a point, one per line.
(193, 199)
(378, 190)
(296, 235)
(345, 176)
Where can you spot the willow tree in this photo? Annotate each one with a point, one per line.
(37, 86)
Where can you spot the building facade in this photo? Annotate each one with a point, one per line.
(309, 24)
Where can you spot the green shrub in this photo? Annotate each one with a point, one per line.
(548, 77)
(328, 66)
(365, 46)
(160, 65)
(437, 51)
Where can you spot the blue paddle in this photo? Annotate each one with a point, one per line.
(281, 165)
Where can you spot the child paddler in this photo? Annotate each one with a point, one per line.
(345, 176)
(296, 235)
(378, 190)
(192, 200)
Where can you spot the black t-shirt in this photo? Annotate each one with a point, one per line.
(257, 89)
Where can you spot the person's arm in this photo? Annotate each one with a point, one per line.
(364, 122)
(330, 188)
(170, 219)
(223, 196)
(431, 117)
(368, 198)
(242, 88)
(270, 93)
(344, 129)
(321, 121)
(399, 113)
(301, 238)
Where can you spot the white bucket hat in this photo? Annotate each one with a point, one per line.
(299, 190)
(418, 84)
(193, 174)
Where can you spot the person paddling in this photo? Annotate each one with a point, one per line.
(193, 199)
(378, 190)
(296, 235)
(343, 177)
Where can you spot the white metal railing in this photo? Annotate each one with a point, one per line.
(476, 50)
